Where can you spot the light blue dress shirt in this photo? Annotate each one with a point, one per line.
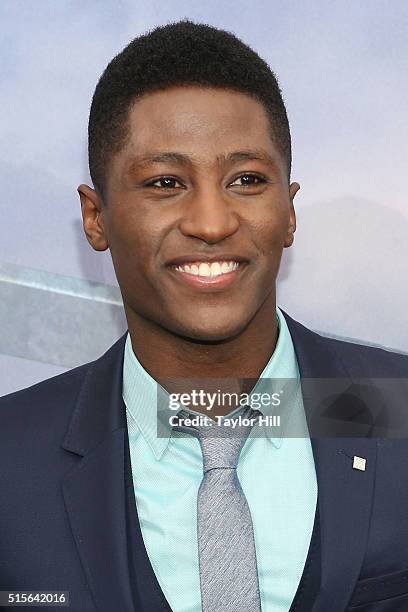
(276, 472)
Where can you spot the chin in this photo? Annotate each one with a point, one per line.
(211, 332)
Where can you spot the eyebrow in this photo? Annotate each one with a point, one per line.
(188, 160)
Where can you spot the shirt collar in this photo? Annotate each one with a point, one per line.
(142, 394)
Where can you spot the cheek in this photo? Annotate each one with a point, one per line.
(269, 231)
(134, 239)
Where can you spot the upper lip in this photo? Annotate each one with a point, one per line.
(185, 259)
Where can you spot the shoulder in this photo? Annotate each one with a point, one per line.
(48, 401)
(49, 386)
(63, 386)
(48, 405)
(357, 357)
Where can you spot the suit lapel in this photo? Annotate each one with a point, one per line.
(345, 495)
(94, 491)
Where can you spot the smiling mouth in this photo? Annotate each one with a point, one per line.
(207, 269)
(216, 274)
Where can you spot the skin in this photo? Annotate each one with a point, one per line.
(178, 330)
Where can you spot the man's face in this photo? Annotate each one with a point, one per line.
(209, 202)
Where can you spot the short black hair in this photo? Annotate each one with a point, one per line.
(178, 53)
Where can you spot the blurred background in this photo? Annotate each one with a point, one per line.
(343, 69)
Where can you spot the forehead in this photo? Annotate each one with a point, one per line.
(202, 120)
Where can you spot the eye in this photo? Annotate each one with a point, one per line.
(167, 182)
(249, 180)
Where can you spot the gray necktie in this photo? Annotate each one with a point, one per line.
(226, 547)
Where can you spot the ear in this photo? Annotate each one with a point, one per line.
(293, 189)
(92, 217)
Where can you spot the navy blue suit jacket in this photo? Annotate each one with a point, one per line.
(62, 490)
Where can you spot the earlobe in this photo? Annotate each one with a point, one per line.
(92, 217)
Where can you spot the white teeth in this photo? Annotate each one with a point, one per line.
(204, 270)
(215, 269)
(209, 270)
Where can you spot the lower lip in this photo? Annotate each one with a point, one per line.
(222, 281)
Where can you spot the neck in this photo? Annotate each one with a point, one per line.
(177, 362)
(165, 354)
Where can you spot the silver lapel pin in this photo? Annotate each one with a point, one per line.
(359, 463)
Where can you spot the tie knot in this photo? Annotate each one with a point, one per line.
(220, 444)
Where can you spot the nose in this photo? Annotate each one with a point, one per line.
(209, 216)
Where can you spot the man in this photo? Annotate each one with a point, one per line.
(190, 157)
